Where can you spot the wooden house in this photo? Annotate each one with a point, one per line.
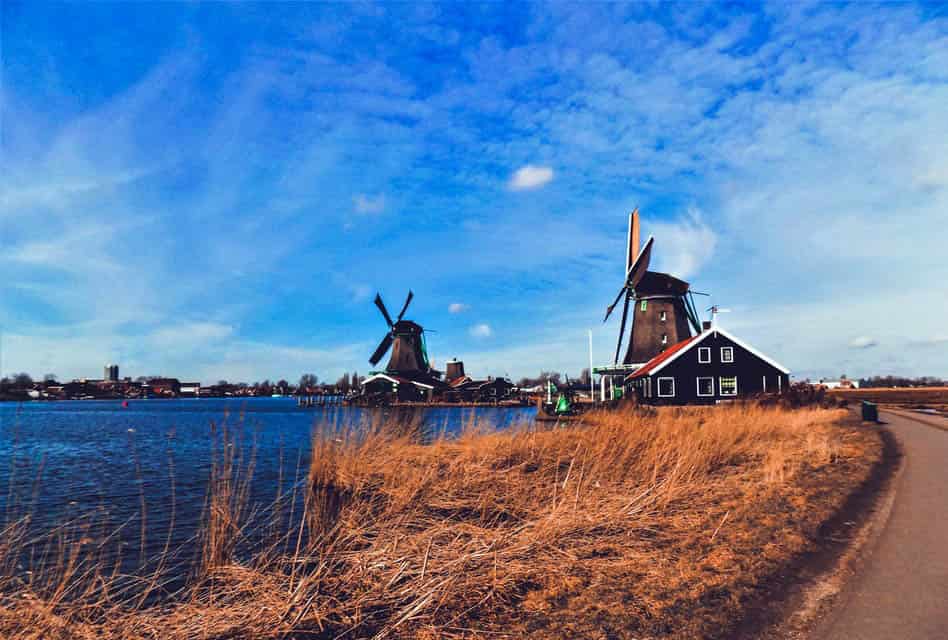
(711, 367)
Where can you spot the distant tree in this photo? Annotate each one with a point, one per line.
(356, 380)
(308, 380)
(22, 380)
(222, 383)
(584, 377)
(50, 378)
(343, 383)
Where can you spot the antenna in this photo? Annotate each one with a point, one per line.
(715, 310)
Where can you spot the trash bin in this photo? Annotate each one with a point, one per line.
(870, 411)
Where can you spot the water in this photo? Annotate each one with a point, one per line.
(96, 459)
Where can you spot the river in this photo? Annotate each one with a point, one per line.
(100, 462)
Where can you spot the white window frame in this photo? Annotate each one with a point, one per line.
(721, 387)
(698, 386)
(659, 386)
(663, 316)
(764, 385)
(729, 350)
(704, 350)
(664, 338)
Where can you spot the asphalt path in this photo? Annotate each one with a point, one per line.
(901, 590)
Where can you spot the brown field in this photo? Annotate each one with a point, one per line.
(935, 398)
(669, 525)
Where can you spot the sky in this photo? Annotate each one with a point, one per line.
(217, 191)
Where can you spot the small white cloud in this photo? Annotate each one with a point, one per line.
(364, 203)
(862, 342)
(530, 177)
(360, 292)
(481, 330)
(457, 307)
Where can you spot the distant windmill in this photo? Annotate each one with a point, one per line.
(664, 312)
(406, 340)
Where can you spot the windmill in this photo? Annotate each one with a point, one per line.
(663, 309)
(406, 340)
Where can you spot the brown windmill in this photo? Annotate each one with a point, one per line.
(406, 340)
(663, 312)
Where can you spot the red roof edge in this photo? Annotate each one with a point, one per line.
(662, 357)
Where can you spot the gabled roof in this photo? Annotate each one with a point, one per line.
(675, 351)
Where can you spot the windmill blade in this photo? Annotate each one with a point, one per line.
(699, 293)
(381, 349)
(381, 306)
(625, 315)
(405, 306)
(614, 303)
(640, 266)
(692, 313)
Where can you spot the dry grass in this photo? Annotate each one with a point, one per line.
(627, 526)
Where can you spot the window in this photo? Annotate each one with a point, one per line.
(662, 316)
(728, 385)
(705, 386)
(664, 338)
(644, 305)
(704, 355)
(666, 387)
(727, 354)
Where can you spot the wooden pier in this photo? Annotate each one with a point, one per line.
(321, 400)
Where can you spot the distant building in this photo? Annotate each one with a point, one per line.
(163, 386)
(111, 373)
(454, 370)
(190, 389)
(842, 383)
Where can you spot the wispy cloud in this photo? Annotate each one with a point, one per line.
(482, 330)
(862, 342)
(457, 307)
(685, 244)
(363, 203)
(530, 177)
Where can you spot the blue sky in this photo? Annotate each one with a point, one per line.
(217, 191)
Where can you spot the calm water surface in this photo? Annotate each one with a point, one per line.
(61, 460)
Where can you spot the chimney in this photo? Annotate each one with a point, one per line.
(705, 325)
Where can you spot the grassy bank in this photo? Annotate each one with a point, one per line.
(627, 526)
(932, 398)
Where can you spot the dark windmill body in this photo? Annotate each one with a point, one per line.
(408, 375)
(658, 306)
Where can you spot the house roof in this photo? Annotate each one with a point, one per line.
(675, 351)
(666, 355)
(395, 379)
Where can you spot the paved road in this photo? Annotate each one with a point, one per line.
(902, 591)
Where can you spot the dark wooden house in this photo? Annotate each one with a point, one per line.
(710, 367)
